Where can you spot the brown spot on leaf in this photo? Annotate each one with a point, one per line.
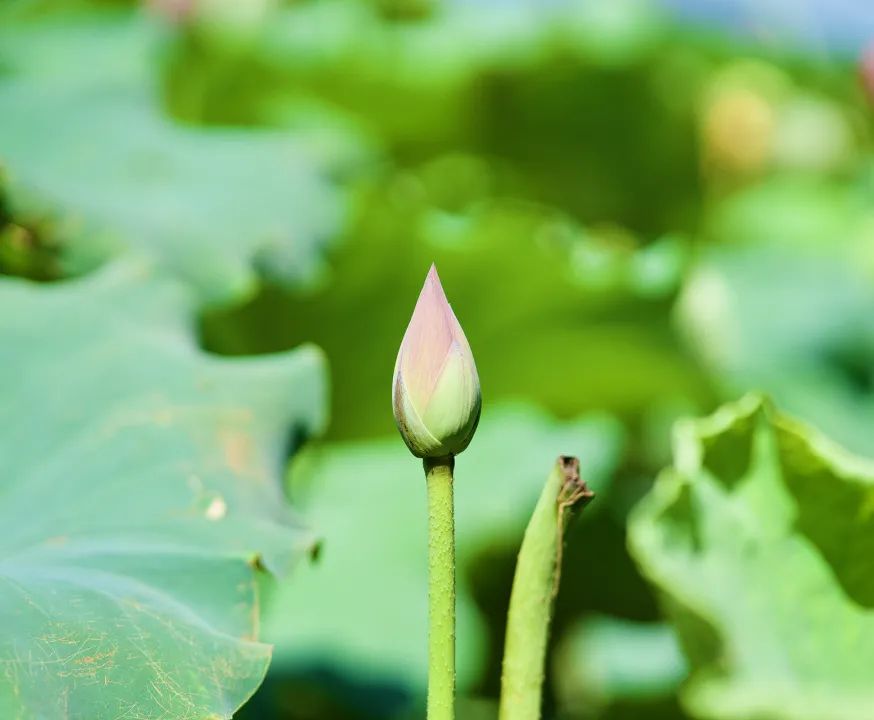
(237, 448)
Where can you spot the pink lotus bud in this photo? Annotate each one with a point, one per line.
(866, 71)
(436, 393)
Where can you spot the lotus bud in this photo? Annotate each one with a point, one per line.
(866, 72)
(435, 393)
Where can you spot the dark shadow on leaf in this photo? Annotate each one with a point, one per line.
(318, 691)
(835, 512)
(727, 455)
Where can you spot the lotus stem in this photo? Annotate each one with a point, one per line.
(535, 585)
(441, 589)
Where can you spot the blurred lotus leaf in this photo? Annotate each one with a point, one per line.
(760, 538)
(87, 150)
(784, 302)
(602, 660)
(140, 494)
(587, 103)
(362, 608)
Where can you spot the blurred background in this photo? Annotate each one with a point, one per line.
(638, 210)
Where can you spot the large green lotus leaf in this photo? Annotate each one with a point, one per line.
(760, 538)
(139, 496)
(362, 608)
(784, 302)
(213, 204)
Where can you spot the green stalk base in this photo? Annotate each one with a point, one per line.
(441, 589)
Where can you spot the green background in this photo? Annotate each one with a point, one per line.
(637, 217)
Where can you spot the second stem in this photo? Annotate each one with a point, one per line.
(441, 589)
